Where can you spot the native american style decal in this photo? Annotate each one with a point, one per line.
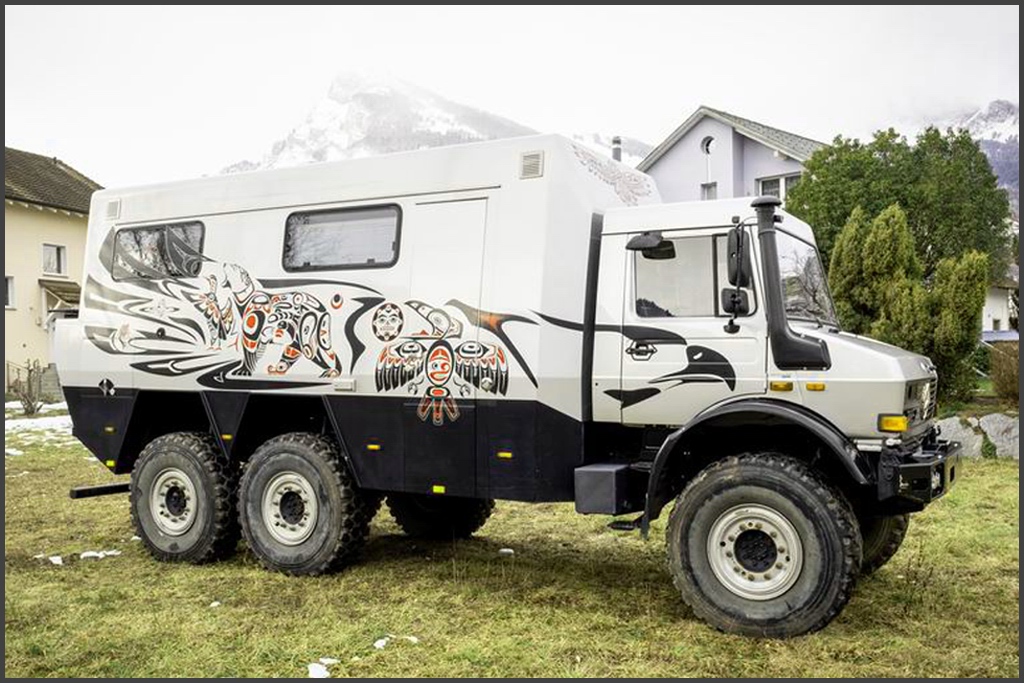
(388, 322)
(628, 184)
(199, 315)
(436, 362)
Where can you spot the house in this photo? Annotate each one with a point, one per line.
(995, 316)
(45, 215)
(718, 155)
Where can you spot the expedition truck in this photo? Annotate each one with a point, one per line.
(272, 354)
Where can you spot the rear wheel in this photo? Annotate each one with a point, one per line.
(882, 536)
(300, 509)
(439, 517)
(758, 544)
(182, 499)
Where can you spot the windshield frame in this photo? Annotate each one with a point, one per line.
(829, 317)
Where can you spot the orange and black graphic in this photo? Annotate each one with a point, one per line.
(436, 358)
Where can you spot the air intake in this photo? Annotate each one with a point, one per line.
(113, 210)
(531, 165)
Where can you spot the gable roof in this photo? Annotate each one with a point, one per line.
(46, 181)
(792, 145)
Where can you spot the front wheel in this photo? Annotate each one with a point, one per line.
(758, 544)
(883, 536)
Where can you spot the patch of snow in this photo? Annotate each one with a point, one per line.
(56, 559)
(318, 670)
(381, 643)
(215, 603)
(508, 552)
(13, 451)
(98, 554)
(328, 661)
(57, 425)
(135, 538)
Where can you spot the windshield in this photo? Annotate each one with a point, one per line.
(805, 294)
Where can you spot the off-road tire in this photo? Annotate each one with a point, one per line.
(344, 512)
(883, 536)
(213, 534)
(818, 513)
(439, 517)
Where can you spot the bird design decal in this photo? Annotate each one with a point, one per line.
(440, 360)
(629, 185)
(703, 366)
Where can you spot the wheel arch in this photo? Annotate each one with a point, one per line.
(765, 424)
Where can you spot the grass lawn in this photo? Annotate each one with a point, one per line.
(576, 599)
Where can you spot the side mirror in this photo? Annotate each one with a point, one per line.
(735, 302)
(740, 272)
(652, 245)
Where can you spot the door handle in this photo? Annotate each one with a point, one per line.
(641, 350)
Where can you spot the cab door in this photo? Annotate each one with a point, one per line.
(677, 357)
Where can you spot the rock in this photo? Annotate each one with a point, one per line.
(951, 428)
(973, 421)
(1004, 432)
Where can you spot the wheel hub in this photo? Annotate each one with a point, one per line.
(755, 552)
(290, 508)
(172, 501)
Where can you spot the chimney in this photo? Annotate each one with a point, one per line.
(617, 148)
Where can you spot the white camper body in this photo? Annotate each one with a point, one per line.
(520, 319)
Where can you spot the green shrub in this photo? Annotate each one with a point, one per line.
(1005, 362)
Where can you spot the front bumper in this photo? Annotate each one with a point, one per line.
(910, 479)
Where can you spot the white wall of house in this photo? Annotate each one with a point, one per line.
(26, 229)
(735, 165)
(683, 169)
(996, 314)
(761, 162)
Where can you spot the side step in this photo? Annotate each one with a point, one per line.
(626, 524)
(100, 490)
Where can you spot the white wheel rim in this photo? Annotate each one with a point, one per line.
(172, 501)
(755, 552)
(290, 508)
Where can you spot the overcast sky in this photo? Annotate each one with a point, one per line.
(134, 95)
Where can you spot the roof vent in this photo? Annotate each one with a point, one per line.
(531, 165)
(113, 210)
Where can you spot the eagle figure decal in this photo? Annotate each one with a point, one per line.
(437, 358)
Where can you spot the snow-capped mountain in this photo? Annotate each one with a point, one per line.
(366, 115)
(998, 121)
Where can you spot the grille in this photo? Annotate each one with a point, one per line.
(928, 402)
(531, 165)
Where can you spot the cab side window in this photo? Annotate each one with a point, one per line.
(684, 281)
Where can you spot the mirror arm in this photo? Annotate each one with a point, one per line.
(731, 327)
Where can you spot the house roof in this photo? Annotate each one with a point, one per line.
(1011, 280)
(46, 181)
(792, 145)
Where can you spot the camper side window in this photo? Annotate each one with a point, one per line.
(687, 283)
(364, 237)
(158, 251)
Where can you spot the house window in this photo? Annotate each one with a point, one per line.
(364, 237)
(708, 191)
(707, 145)
(778, 186)
(55, 259)
(997, 324)
(159, 251)
(770, 186)
(9, 292)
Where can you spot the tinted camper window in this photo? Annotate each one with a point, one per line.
(157, 251)
(365, 237)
